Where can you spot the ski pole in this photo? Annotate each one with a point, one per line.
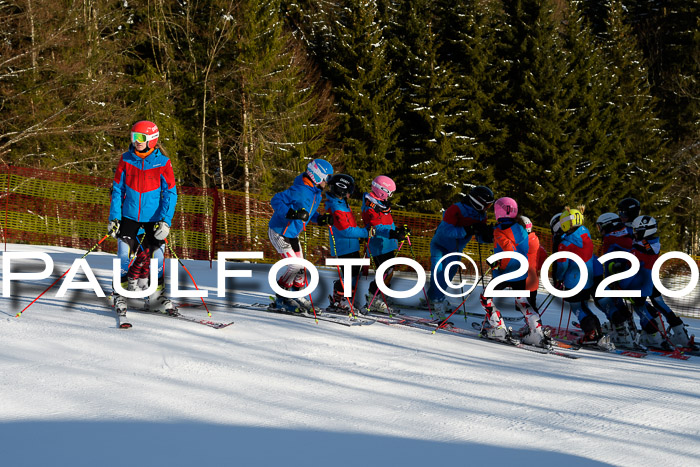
(568, 320)
(410, 245)
(483, 289)
(306, 282)
(172, 251)
(664, 334)
(561, 317)
(384, 277)
(443, 323)
(550, 298)
(62, 275)
(464, 304)
(352, 311)
(359, 274)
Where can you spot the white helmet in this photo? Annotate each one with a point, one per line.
(608, 222)
(644, 227)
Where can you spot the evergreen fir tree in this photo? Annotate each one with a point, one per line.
(431, 179)
(599, 153)
(467, 50)
(364, 90)
(537, 164)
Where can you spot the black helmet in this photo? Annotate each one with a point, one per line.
(480, 198)
(629, 209)
(341, 184)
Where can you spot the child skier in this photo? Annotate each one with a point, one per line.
(510, 235)
(459, 224)
(344, 235)
(293, 209)
(615, 238)
(536, 254)
(385, 237)
(143, 197)
(628, 210)
(646, 249)
(577, 240)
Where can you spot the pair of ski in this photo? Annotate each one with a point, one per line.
(434, 325)
(123, 323)
(460, 312)
(327, 315)
(569, 339)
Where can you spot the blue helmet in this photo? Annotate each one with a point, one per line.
(318, 170)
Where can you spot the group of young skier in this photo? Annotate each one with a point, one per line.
(462, 221)
(143, 203)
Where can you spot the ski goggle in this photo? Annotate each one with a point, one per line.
(142, 137)
(384, 189)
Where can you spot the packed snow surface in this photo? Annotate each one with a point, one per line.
(282, 390)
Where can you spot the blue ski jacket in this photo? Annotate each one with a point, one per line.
(303, 194)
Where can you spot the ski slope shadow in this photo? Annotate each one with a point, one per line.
(187, 443)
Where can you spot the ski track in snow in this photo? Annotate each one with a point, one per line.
(276, 389)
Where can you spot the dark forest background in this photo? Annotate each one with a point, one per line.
(550, 102)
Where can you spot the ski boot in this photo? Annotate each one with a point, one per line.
(120, 304)
(161, 303)
(535, 334)
(653, 340)
(678, 335)
(621, 337)
(283, 304)
(339, 304)
(303, 305)
(378, 305)
(494, 327)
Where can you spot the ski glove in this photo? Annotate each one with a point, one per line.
(298, 214)
(113, 227)
(484, 232)
(496, 265)
(162, 229)
(400, 234)
(325, 219)
(382, 209)
(613, 267)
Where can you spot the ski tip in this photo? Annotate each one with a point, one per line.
(124, 325)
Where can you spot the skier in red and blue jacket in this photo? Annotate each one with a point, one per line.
(647, 248)
(143, 197)
(293, 209)
(615, 238)
(344, 235)
(384, 236)
(461, 222)
(577, 240)
(510, 235)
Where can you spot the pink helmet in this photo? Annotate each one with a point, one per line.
(383, 187)
(505, 207)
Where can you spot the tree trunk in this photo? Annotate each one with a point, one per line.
(221, 174)
(246, 168)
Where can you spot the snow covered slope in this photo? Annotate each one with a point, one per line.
(283, 390)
